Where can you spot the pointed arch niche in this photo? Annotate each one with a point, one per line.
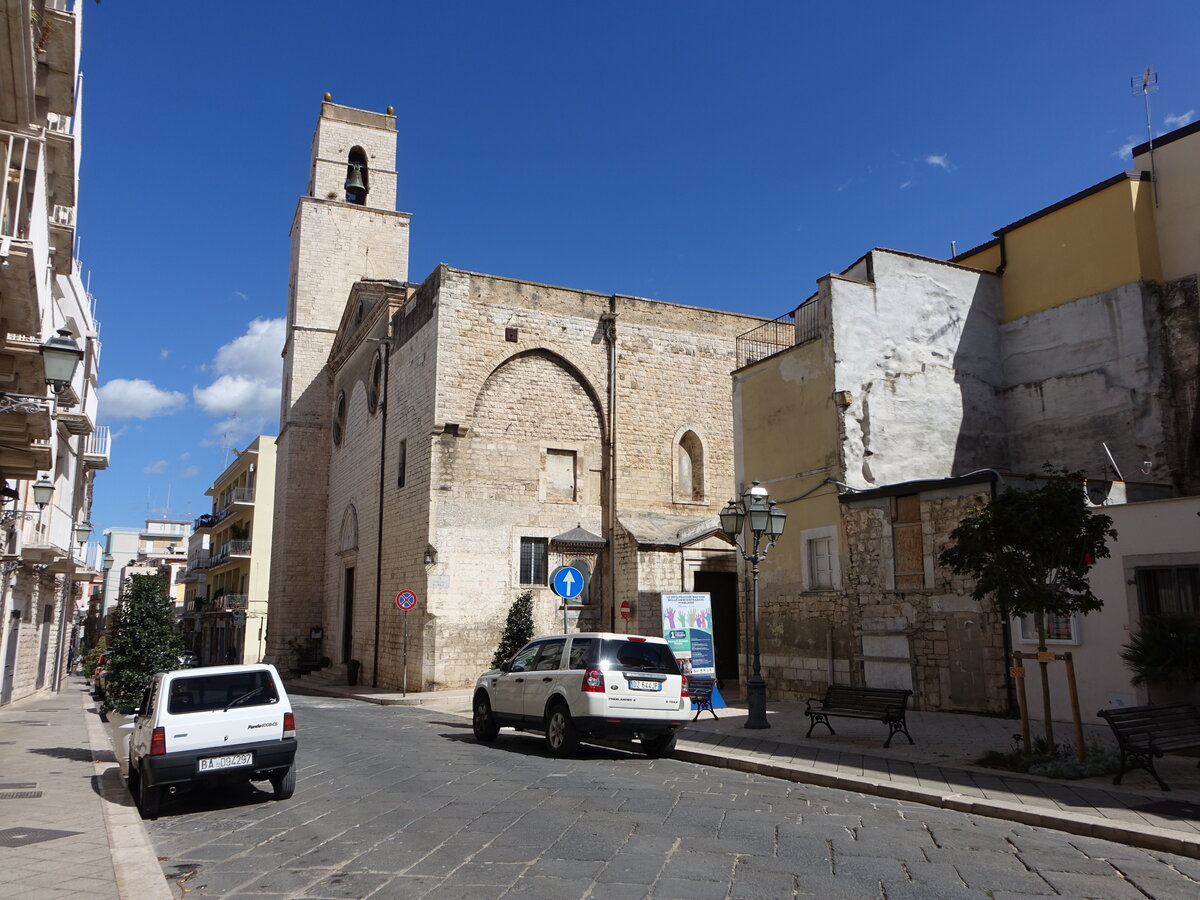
(688, 467)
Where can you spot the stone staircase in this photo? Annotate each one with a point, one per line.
(331, 674)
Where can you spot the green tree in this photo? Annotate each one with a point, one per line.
(518, 629)
(142, 640)
(1031, 550)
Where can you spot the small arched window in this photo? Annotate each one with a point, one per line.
(375, 382)
(358, 177)
(689, 467)
(339, 419)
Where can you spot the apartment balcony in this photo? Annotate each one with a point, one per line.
(208, 521)
(20, 271)
(17, 101)
(61, 165)
(75, 423)
(235, 601)
(25, 430)
(243, 496)
(199, 563)
(62, 239)
(95, 448)
(239, 549)
(57, 44)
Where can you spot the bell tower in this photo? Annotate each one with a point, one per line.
(345, 228)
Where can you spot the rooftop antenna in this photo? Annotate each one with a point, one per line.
(1108, 453)
(1147, 84)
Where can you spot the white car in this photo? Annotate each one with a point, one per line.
(216, 724)
(592, 685)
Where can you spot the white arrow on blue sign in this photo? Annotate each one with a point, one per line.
(567, 582)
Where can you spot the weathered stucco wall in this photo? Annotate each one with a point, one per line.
(1082, 374)
(916, 354)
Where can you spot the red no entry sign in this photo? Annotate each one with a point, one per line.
(406, 600)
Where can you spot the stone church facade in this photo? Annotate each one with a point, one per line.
(462, 437)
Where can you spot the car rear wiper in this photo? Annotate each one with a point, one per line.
(245, 696)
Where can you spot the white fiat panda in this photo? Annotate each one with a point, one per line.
(215, 724)
(597, 685)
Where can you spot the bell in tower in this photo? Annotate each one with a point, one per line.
(357, 177)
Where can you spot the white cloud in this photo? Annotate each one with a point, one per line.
(156, 468)
(246, 393)
(1125, 151)
(940, 160)
(256, 354)
(190, 472)
(136, 398)
(906, 184)
(164, 353)
(1173, 122)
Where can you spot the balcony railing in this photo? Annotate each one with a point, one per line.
(241, 495)
(200, 562)
(16, 189)
(238, 548)
(235, 601)
(796, 328)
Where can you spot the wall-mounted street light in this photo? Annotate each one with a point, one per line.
(83, 531)
(43, 490)
(758, 513)
(61, 356)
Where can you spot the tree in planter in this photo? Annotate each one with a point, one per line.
(1165, 651)
(1031, 550)
(142, 640)
(518, 629)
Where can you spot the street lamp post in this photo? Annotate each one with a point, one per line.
(758, 512)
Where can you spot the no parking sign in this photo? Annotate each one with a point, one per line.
(406, 600)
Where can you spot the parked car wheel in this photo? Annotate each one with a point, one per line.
(149, 799)
(483, 720)
(660, 746)
(561, 735)
(284, 783)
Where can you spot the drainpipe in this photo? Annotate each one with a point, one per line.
(385, 344)
(610, 337)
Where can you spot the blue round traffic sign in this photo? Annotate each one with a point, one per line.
(567, 582)
(406, 600)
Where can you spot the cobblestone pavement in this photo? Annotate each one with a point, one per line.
(401, 802)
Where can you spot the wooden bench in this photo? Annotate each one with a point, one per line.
(1144, 732)
(700, 690)
(887, 705)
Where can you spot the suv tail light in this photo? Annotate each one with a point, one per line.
(289, 725)
(593, 682)
(158, 741)
(683, 687)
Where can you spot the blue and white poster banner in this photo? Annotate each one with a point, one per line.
(687, 627)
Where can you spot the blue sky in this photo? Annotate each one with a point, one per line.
(715, 154)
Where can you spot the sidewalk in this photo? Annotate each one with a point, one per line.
(937, 770)
(68, 827)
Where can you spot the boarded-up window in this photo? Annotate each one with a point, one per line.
(908, 546)
(820, 564)
(560, 474)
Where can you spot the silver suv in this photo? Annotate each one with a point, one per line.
(597, 685)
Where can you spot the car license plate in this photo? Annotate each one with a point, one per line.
(213, 763)
(645, 685)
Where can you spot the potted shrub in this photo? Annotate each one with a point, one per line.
(1164, 655)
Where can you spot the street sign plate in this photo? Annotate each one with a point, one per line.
(567, 582)
(406, 600)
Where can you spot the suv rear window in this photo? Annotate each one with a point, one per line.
(638, 656)
(201, 693)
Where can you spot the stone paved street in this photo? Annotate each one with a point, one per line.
(402, 802)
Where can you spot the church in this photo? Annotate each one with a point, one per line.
(455, 440)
